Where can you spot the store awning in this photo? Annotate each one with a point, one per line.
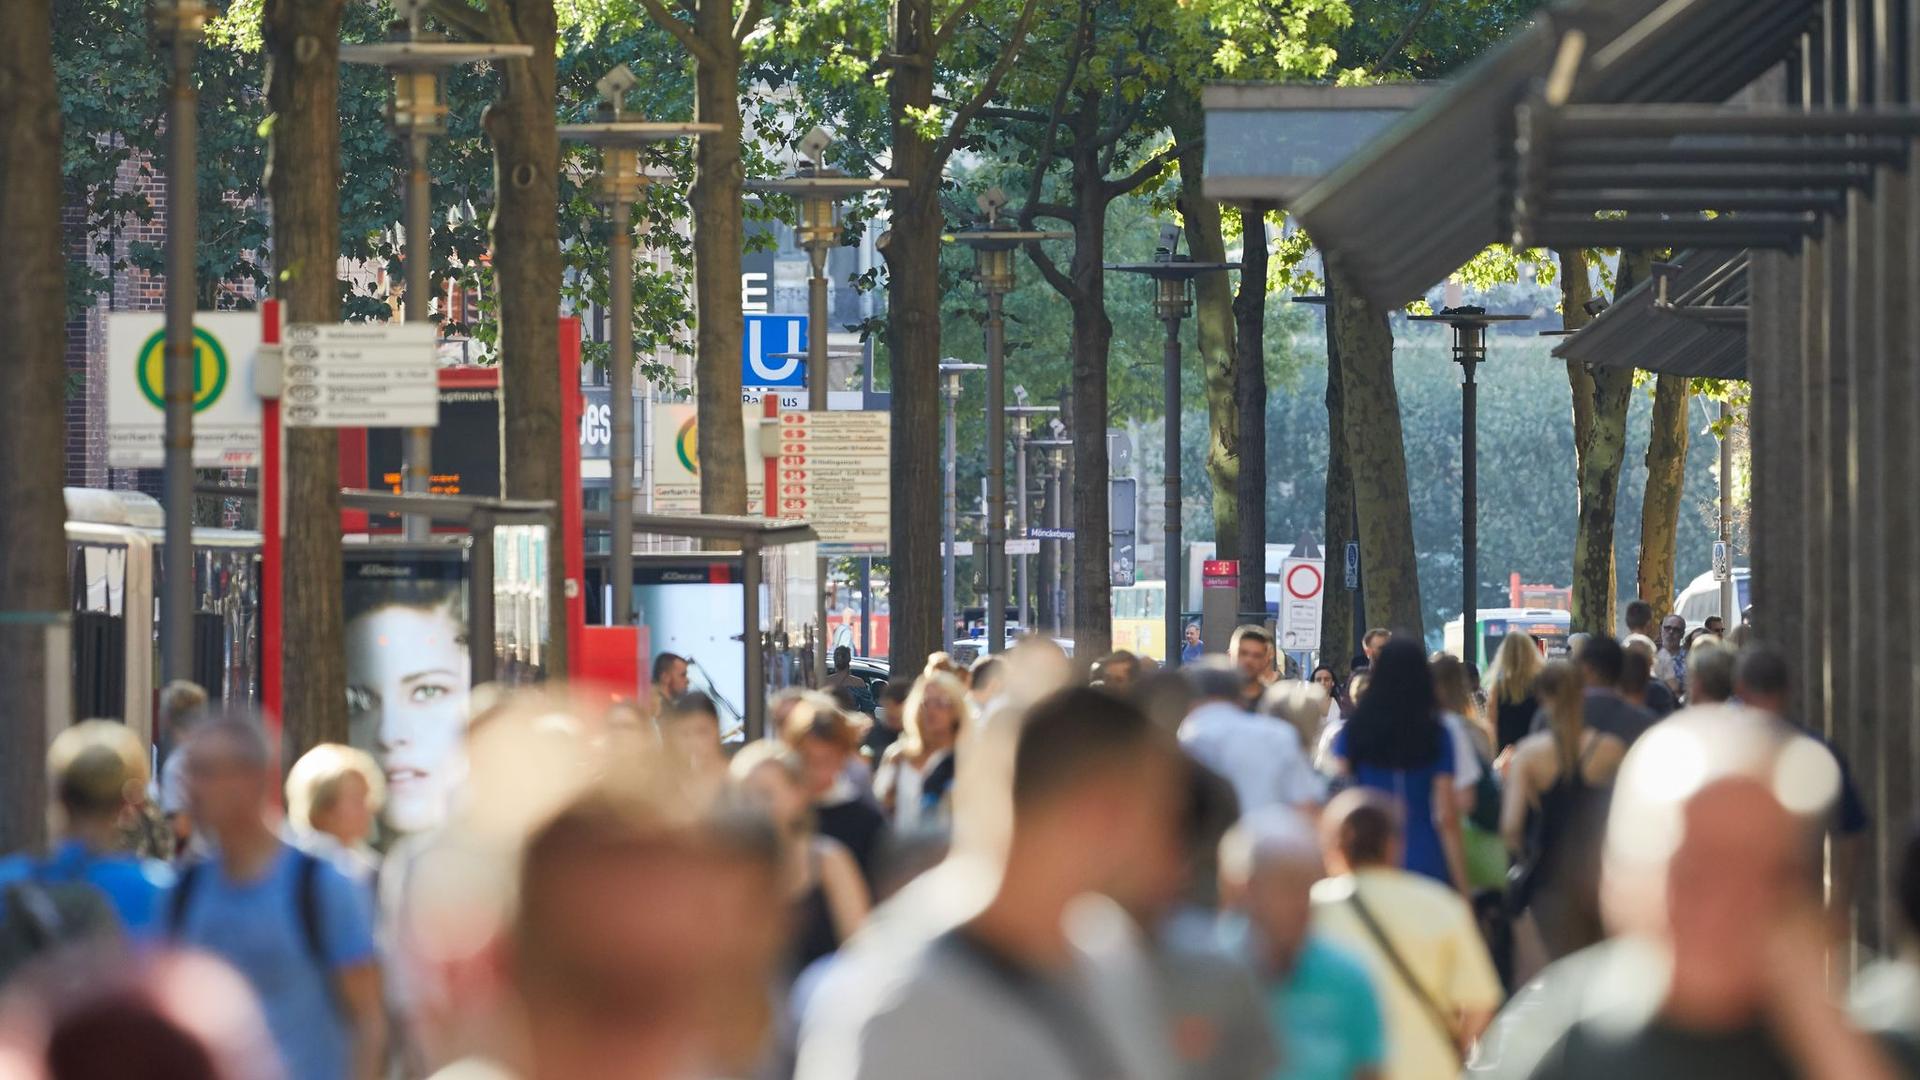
(1437, 188)
(1689, 319)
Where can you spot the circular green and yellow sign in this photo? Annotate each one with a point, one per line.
(687, 445)
(209, 369)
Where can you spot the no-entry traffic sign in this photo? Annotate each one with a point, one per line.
(1302, 586)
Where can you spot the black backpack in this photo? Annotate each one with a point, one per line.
(40, 914)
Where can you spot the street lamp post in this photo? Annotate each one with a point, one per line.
(1056, 450)
(818, 189)
(620, 185)
(993, 243)
(1469, 351)
(181, 24)
(1173, 276)
(416, 114)
(1023, 415)
(950, 497)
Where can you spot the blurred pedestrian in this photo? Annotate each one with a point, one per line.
(826, 895)
(1641, 629)
(842, 810)
(1253, 653)
(1119, 670)
(1304, 706)
(1419, 939)
(844, 678)
(1672, 653)
(1601, 661)
(1886, 996)
(691, 752)
(1338, 704)
(1261, 757)
(104, 1015)
(1321, 1000)
(1370, 645)
(88, 886)
(1191, 647)
(1398, 743)
(181, 704)
(986, 680)
(334, 794)
(916, 776)
(1486, 856)
(1764, 681)
(1710, 666)
(1555, 808)
(1717, 967)
(670, 680)
(1045, 981)
(887, 720)
(1638, 685)
(1715, 625)
(295, 927)
(640, 947)
(1510, 688)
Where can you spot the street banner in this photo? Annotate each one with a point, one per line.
(226, 413)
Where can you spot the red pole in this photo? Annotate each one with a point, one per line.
(771, 399)
(272, 528)
(572, 539)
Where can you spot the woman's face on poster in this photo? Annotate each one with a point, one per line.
(408, 679)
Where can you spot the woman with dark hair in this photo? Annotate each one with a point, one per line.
(1396, 743)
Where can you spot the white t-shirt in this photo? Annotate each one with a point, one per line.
(899, 776)
(1260, 756)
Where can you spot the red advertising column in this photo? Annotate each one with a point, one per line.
(572, 539)
(272, 527)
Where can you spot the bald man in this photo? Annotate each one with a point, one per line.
(1717, 966)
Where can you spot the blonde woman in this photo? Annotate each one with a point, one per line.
(1510, 688)
(916, 774)
(334, 795)
(1550, 819)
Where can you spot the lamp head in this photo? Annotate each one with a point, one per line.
(615, 84)
(1169, 240)
(1058, 427)
(410, 11)
(813, 146)
(1020, 394)
(991, 202)
(1595, 306)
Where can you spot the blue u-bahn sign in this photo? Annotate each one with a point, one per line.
(771, 352)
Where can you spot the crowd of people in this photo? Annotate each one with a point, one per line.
(1629, 861)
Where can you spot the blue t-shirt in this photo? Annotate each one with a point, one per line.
(256, 927)
(133, 885)
(1413, 790)
(1326, 1016)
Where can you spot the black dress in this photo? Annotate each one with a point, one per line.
(1514, 721)
(814, 934)
(859, 824)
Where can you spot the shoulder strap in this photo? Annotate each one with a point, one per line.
(307, 896)
(27, 903)
(182, 898)
(1407, 977)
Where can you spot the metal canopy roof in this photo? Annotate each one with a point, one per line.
(1689, 319)
(1435, 189)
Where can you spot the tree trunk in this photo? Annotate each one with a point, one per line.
(1601, 456)
(913, 348)
(33, 280)
(1092, 338)
(302, 42)
(1338, 610)
(1377, 456)
(718, 176)
(1666, 478)
(1213, 317)
(1576, 288)
(1250, 396)
(527, 266)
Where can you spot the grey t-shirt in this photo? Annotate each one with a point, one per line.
(1610, 714)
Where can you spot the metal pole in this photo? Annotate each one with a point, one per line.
(180, 366)
(996, 474)
(1469, 504)
(416, 449)
(1727, 600)
(620, 390)
(947, 485)
(817, 402)
(1021, 591)
(755, 707)
(866, 606)
(1055, 591)
(1171, 372)
(480, 654)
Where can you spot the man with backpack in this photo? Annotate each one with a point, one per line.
(88, 887)
(300, 932)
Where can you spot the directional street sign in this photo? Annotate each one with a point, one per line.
(833, 472)
(768, 337)
(1019, 546)
(226, 414)
(361, 375)
(1041, 532)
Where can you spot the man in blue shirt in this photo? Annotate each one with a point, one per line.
(90, 767)
(1193, 648)
(1320, 999)
(299, 931)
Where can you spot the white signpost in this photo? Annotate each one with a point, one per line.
(226, 412)
(833, 472)
(676, 459)
(360, 375)
(1303, 583)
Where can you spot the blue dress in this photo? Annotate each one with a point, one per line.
(1413, 790)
